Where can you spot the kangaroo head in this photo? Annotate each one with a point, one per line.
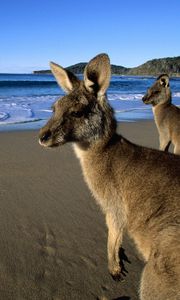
(159, 92)
(83, 114)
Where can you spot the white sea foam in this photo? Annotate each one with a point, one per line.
(19, 109)
(124, 97)
(177, 94)
(25, 109)
(3, 116)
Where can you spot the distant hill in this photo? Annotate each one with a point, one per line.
(79, 69)
(169, 65)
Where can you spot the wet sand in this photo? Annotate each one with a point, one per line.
(53, 235)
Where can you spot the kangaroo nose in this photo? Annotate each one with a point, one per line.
(144, 98)
(46, 136)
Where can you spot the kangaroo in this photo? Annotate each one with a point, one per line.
(166, 115)
(138, 189)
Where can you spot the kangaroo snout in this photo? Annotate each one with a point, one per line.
(145, 99)
(44, 137)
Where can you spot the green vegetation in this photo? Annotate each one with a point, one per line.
(169, 65)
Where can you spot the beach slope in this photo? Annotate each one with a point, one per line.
(52, 234)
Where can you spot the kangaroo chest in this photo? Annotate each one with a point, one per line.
(99, 178)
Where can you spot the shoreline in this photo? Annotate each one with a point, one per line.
(29, 126)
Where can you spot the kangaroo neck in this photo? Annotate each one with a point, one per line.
(160, 108)
(85, 149)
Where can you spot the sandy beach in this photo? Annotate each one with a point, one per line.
(53, 235)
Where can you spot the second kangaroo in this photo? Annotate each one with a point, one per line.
(166, 115)
(138, 189)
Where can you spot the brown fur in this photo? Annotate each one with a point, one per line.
(138, 189)
(166, 115)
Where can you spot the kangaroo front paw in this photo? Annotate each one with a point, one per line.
(117, 277)
(118, 272)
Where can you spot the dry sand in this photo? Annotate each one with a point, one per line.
(52, 234)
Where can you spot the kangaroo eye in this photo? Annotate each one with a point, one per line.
(156, 92)
(77, 114)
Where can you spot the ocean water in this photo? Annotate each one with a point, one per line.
(26, 99)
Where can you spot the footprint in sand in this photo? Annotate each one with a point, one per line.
(89, 262)
(48, 248)
(50, 245)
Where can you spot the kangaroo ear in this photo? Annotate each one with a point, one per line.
(97, 74)
(164, 80)
(67, 80)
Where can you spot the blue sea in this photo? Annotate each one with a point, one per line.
(26, 99)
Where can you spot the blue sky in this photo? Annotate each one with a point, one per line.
(33, 32)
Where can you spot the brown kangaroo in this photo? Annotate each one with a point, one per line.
(166, 115)
(138, 189)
